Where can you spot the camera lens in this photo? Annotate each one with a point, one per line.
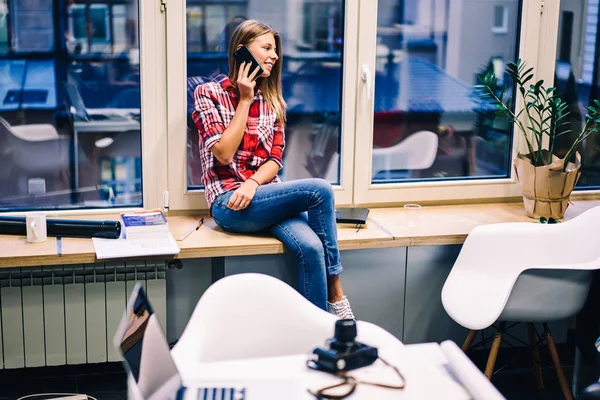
(345, 330)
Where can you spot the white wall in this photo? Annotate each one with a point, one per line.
(471, 42)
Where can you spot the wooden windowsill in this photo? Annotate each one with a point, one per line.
(387, 227)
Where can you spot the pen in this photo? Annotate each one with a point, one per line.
(59, 245)
(182, 237)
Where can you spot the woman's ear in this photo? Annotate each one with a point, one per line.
(239, 46)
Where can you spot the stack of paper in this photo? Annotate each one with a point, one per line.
(145, 224)
(124, 248)
(145, 233)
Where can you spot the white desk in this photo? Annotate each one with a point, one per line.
(122, 123)
(423, 366)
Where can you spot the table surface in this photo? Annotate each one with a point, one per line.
(435, 225)
(423, 366)
(439, 225)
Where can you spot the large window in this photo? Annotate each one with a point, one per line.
(385, 109)
(428, 124)
(380, 95)
(70, 131)
(577, 77)
(313, 49)
(429, 136)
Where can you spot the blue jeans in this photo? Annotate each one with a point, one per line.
(301, 214)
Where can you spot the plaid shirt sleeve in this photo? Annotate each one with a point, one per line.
(206, 116)
(278, 144)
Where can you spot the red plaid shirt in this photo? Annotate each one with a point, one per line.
(214, 107)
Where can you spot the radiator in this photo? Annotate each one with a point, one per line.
(68, 314)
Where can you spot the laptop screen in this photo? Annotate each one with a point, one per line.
(132, 339)
(144, 349)
(77, 107)
(146, 356)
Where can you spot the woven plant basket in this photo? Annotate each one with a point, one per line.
(546, 189)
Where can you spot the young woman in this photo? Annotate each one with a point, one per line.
(241, 122)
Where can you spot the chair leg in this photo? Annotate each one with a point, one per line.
(469, 340)
(535, 354)
(576, 372)
(489, 368)
(556, 361)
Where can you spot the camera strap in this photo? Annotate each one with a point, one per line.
(331, 392)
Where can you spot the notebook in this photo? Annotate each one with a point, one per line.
(355, 216)
(147, 358)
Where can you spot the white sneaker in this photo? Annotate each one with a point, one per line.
(341, 308)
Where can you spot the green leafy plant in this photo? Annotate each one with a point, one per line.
(545, 115)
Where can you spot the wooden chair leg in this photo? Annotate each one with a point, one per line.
(469, 340)
(556, 361)
(535, 355)
(489, 368)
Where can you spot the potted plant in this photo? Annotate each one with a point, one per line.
(546, 180)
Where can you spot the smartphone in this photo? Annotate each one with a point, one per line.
(243, 55)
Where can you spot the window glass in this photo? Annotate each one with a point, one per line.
(577, 80)
(312, 35)
(500, 19)
(3, 27)
(427, 122)
(70, 133)
(32, 27)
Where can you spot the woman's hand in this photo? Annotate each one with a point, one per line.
(246, 82)
(242, 197)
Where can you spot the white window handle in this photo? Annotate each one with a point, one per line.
(366, 78)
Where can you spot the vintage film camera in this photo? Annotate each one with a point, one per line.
(343, 352)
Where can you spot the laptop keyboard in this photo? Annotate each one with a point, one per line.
(229, 393)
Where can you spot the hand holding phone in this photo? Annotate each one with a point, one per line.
(243, 55)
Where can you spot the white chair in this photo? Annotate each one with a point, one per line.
(35, 150)
(417, 151)
(254, 315)
(525, 272)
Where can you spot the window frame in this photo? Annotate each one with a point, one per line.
(153, 102)
(534, 25)
(539, 19)
(182, 198)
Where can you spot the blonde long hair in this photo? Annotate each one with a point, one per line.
(245, 33)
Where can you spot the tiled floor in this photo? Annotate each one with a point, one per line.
(107, 381)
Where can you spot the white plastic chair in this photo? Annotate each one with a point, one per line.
(36, 150)
(526, 272)
(254, 315)
(417, 151)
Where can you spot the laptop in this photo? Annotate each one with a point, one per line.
(78, 109)
(147, 358)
